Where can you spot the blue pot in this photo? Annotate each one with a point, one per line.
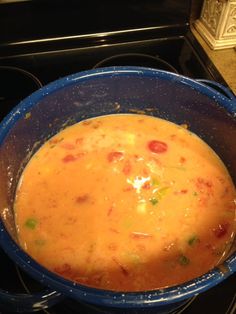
(209, 113)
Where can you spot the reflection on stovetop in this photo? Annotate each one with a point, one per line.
(21, 81)
(175, 54)
(24, 75)
(179, 52)
(136, 59)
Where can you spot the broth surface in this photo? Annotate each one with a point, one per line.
(126, 202)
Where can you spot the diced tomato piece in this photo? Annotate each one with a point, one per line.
(64, 269)
(221, 230)
(145, 172)
(82, 198)
(79, 140)
(69, 158)
(209, 246)
(114, 230)
(182, 160)
(157, 146)
(183, 191)
(54, 140)
(68, 146)
(204, 182)
(127, 168)
(115, 156)
(146, 186)
(128, 188)
(110, 209)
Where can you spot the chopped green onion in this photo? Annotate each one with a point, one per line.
(195, 193)
(184, 260)
(193, 240)
(153, 200)
(31, 223)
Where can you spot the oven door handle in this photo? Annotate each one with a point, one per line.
(225, 91)
(23, 303)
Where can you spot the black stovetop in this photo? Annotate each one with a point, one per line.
(34, 56)
(178, 53)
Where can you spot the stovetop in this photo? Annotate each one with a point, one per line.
(40, 55)
(26, 71)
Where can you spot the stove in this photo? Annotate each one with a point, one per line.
(41, 41)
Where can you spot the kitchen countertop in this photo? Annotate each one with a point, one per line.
(224, 60)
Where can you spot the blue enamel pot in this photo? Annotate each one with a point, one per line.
(209, 110)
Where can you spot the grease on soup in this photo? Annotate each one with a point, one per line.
(126, 202)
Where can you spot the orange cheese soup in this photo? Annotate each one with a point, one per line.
(126, 202)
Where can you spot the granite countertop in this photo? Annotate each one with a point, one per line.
(224, 60)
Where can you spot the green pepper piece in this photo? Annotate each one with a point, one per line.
(154, 201)
(193, 240)
(184, 260)
(31, 223)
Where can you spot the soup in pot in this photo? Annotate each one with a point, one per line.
(126, 202)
